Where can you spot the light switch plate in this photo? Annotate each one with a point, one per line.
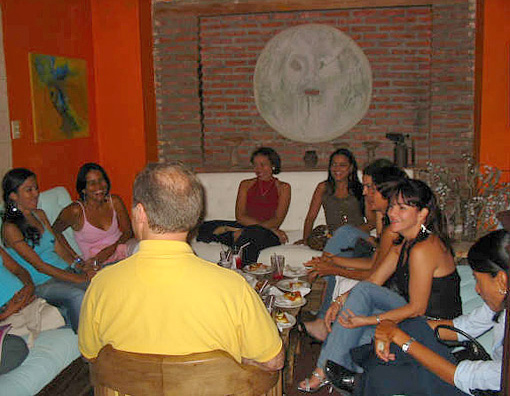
(15, 129)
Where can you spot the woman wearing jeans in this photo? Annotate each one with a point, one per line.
(29, 239)
(423, 271)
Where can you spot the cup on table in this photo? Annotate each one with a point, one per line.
(277, 265)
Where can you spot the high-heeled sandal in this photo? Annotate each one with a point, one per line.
(304, 331)
(323, 382)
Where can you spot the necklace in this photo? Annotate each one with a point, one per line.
(260, 186)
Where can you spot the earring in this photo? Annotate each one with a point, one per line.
(424, 229)
(503, 292)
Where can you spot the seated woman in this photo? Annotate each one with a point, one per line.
(341, 196)
(17, 291)
(440, 374)
(377, 180)
(424, 277)
(100, 221)
(261, 206)
(29, 239)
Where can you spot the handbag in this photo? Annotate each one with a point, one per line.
(318, 237)
(470, 349)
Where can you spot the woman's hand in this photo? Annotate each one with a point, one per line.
(19, 301)
(320, 266)
(384, 333)
(333, 310)
(349, 320)
(282, 236)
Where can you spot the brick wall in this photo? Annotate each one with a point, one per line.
(422, 61)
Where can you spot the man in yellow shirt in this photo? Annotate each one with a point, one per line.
(164, 299)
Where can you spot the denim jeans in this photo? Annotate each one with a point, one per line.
(365, 299)
(65, 295)
(343, 238)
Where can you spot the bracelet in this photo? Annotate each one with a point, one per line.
(378, 319)
(337, 302)
(407, 345)
(77, 260)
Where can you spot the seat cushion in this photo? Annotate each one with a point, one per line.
(52, 352)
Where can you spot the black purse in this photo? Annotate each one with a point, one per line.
(470, 349)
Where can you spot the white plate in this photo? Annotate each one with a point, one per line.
(292, 322)
(294, 272)
(282, 302)
(285, 284)
(262, 270)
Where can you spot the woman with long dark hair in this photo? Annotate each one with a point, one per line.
(29, 239)
(417, 352)
(99, 220)
(341, 195)
(423, 276)
(344, 267)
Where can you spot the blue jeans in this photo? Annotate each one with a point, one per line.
(344, 237)
(66, 295)
(365, 299)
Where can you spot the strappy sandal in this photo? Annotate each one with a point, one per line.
(323, 382)
(301, 327)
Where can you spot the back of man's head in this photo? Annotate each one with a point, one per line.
(171, 195)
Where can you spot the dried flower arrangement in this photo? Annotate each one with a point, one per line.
(469, 207)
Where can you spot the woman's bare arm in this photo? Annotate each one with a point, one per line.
(388, 332)
(14, 239)
(70, 216)
(313, 210)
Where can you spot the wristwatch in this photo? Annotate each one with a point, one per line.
(406, 345)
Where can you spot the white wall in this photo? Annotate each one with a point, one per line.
(5, 132)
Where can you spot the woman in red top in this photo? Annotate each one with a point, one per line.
(261, 206)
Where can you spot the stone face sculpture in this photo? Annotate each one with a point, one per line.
(312, 83)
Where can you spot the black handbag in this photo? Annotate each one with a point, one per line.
(470, 349)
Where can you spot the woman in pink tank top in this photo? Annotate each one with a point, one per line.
(100, 221)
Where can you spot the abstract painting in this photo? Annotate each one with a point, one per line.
(59, 97)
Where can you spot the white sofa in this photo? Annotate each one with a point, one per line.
(221, 193)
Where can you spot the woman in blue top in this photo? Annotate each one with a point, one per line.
(29, 239)
(16, 292)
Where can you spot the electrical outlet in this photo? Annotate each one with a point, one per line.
(15, 129)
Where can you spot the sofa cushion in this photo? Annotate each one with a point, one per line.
(52, 352)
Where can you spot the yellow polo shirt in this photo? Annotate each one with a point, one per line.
(165, 300)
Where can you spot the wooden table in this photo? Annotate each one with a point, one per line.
(290, 342)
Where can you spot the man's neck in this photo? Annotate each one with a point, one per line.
(174, 236)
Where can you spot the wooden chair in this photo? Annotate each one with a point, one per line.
(210, 373)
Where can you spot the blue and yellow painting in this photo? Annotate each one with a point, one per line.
(59, 97)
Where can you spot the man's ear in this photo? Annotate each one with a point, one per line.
(139, 215)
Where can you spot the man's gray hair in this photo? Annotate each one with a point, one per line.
(172, 196)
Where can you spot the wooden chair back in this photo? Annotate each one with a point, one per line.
(210, 373)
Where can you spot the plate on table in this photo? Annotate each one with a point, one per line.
(286, 323)
(257, 269)
(292, 284)
(294, 272)
(283, 301)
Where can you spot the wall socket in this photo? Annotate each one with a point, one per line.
(15, 129)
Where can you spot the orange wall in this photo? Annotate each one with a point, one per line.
(495, 109)
(119, 88)
(56, 27)
(108, 34)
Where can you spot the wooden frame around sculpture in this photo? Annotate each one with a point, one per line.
(218, 7)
